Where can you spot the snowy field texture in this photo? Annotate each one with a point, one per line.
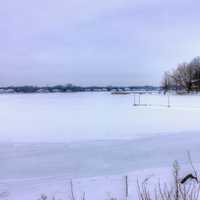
(94, 139)
(93, 116)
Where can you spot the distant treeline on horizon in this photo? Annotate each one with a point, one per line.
(72, 88)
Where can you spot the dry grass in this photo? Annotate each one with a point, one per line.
(182, 188)
(188, 189)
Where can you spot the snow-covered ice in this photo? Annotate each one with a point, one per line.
(92, 116)
(47, 139)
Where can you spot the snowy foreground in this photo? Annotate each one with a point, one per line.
(95, 139)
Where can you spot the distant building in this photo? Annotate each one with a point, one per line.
(2, 91)
(127, 89)
(56, 90)
(9, 91)
(42, 90)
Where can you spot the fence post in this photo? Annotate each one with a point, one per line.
(72, 190)
(168, 100)
(126, 186)
(139, 99)
(134, 100)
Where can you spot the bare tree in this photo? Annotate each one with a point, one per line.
(186, 76)
(183, 76)
(166, 83)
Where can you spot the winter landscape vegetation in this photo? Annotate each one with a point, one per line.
(99, 100)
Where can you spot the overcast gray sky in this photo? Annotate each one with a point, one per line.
(95, 42)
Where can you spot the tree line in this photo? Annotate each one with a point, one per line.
(184, 78)
(71, 88)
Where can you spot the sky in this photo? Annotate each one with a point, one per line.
(95, 42)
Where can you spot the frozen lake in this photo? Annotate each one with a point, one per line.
(49, 138)
(95, 158)
(93, 116)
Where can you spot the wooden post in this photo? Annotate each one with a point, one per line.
(168, 97)
(72, 190)
(139, 99)
(126, 186)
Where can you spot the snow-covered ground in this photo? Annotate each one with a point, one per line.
(47, 139)
(92, 116)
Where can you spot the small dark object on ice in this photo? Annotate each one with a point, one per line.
(189, 176)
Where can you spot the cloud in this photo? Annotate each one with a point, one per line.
(95, 42)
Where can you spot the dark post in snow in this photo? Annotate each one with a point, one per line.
(126, 186)
(168, 100)
(72, 190)
(134, 100)
(139, 99)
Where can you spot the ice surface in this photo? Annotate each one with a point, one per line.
(47, 139)
(91, 116)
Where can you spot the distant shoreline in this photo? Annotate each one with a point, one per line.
(71, 88)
